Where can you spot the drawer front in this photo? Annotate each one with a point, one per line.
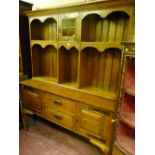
(59, 117)
(59, 103)
(31, 99)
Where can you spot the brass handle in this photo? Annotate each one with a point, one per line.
(58, 117)
(57, 102)
(113, 120)
(126, 49)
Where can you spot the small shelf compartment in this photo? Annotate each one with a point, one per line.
(68, 66)
(44, 63)
(108, 29)
(99, 71)
(44, 31)
(69, 27)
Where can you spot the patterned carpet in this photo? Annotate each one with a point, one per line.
(44, 138)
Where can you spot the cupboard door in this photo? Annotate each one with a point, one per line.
(69, 27)
(91, 122)
(31, 99)
(95, 123)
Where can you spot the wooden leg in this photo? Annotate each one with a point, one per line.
(103, 147)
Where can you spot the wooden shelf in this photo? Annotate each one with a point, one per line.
(44, 43)
(128, 118)
(68, 44)
(69, 27)
(101, 92)
(70, 84)
(126, 144)
(101, 46)
(46, 79)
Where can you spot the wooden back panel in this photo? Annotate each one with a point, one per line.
(68, 65)
(50, 29)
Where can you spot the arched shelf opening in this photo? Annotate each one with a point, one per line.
(68, 66)
(44, 31)
(89, 28)
(118, 23)
(100, 71)
(50, 29)
(112, 28)
(44, 62)
(36, 29)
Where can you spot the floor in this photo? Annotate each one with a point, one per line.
(44, 138)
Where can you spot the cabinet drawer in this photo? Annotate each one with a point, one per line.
(58, 117)
(59, 103)
(31, 99)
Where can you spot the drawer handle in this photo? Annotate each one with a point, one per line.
(113, 120)
(32, 93)
(57, 102)
(58, 117)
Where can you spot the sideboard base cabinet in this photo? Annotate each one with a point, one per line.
(71, 109)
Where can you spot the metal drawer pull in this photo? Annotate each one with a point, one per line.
(57, 102)
(113, 120)
(58, 117)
